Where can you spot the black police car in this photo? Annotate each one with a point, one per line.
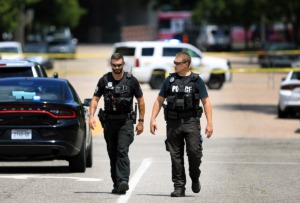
(44, 119)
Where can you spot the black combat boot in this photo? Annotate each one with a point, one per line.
(178, 192)
(196, 187)
(123, 187)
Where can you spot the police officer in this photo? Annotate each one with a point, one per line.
(117, 118)
(183, 91)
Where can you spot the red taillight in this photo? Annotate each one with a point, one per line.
(55, 113)
(2, 65)
(290, 87)
(62, 113)
(137, 63)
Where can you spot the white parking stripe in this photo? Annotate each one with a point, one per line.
(135, 179)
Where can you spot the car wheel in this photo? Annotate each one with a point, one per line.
(78, 163)
(89, 158)
(281, 114)
(157, 79)
(215, 82)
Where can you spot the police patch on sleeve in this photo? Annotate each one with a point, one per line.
(96, 90)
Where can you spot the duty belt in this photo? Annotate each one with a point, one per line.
(120, 116)
(175, 115)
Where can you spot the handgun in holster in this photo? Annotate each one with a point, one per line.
(133, 114)
(199, 111)
(101, 116)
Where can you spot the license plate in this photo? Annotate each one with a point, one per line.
(21, 134)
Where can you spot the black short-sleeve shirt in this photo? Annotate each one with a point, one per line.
(134, 85)
(200, 86)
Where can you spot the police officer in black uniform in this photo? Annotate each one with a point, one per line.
(183, 91)
(118, 118)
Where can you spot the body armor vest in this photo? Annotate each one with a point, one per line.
(183, 95)
(118, 99)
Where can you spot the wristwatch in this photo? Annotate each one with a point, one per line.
(141, 120)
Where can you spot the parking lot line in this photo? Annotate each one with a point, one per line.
(135, 179)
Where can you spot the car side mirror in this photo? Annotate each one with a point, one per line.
(87, 102)
(55, 75)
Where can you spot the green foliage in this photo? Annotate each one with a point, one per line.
(60, 13)
(10, 11)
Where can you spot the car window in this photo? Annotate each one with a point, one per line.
(147, 51)
(34, 91)
(9, 49)
(125, 51)
(76, 97)
(192, 53)
(296, 75)
(40, 71)
(16, 72)
(171, 51)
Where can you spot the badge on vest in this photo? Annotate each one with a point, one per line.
(172, 79)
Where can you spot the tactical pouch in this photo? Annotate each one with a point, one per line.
(188, 101)
(171, 102)
(180, 104)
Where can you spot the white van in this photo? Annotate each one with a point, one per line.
(151, 61)
(213, 38)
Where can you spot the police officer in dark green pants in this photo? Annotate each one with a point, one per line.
(183, 91)
(118, 117)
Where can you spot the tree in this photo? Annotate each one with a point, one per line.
(60, 13)
(10, 12)
(15, 15)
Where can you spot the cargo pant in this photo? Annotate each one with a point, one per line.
(119, 134)
(181, 132)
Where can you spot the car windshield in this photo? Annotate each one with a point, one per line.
(15, 72)
(35, 48)
(31, 90)
(59, 42)
(8, 49)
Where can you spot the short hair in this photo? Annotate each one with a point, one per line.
(117, 56)
(185, 56)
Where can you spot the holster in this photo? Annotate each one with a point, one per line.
(102, 117)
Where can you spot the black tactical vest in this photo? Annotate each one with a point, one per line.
(183, 95)
(118, 99)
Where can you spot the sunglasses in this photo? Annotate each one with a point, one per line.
(178, 63)
(116, 65)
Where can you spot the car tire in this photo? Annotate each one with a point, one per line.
(157, 79)
(78, 163)
(281, 114)
(89, 157)
(215, 81)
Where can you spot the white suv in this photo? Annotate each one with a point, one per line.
(151, 61)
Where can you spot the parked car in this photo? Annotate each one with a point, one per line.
(289, 95)
(11, 50)
(21, 68)
(151, 61)
(213, 38)
(277, 54)
(64, 45)
(37, 52)
(44, 119)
